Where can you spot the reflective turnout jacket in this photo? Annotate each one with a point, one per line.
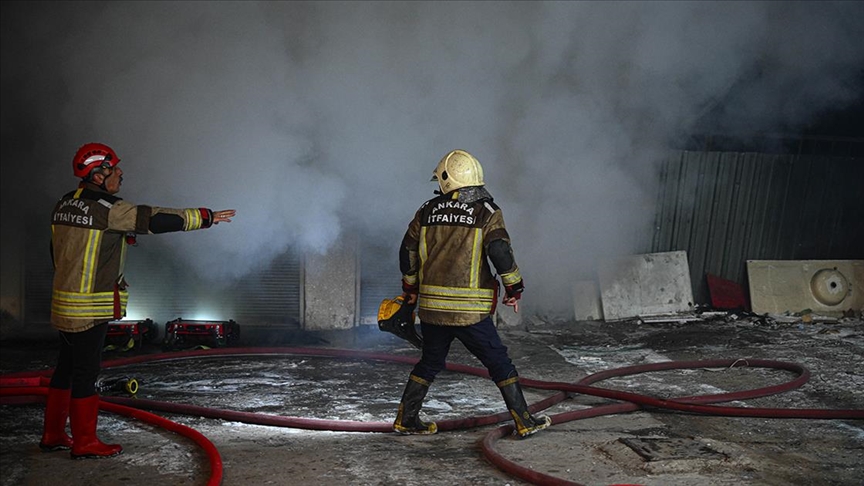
(89, 229)
(445, 253)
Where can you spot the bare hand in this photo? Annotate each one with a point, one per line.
(224, 215)
(512, 302)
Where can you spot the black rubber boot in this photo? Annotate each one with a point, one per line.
(408, 419)
(526, 424)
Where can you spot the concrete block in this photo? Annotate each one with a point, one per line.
(586, 301)
(826, 287)
(330, 288)
(645, 285)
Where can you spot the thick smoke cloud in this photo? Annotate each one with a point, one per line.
(317, 119)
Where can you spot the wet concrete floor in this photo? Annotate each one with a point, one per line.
(644, 447)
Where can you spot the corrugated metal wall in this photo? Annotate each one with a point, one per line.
(725, 208)
(380, 279)
(38, 279)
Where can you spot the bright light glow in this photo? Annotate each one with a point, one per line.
(205, 312)
(204, 315)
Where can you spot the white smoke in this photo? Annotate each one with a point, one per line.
(312, 119)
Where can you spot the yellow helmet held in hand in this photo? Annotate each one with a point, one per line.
(456, 170)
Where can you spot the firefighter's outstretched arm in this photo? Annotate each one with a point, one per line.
(164, 220)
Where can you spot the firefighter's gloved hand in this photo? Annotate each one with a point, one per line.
(514, 291)
(512, 295)
(409, 288)
(410, 299)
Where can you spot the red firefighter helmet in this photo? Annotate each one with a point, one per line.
(91, 156)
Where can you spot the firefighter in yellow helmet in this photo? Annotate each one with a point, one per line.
(444, 258)
(90, 230)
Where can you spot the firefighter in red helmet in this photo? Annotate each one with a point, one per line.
(91, 227)
(444, 258)
(91, 156)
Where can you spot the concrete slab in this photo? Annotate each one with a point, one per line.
(330, 288)
(645, 285)
(823, 286)
(586, 301)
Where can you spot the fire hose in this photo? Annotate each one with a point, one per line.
(16, 385)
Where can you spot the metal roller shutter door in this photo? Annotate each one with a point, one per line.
(267, 298)
(379, 279)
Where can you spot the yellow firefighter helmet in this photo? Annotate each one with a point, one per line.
(456, 170)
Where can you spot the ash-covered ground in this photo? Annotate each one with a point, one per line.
(643, 447)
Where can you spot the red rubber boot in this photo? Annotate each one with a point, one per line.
(54, 436)
(83, 414)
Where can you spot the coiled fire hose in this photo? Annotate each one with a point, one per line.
(15, 386)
